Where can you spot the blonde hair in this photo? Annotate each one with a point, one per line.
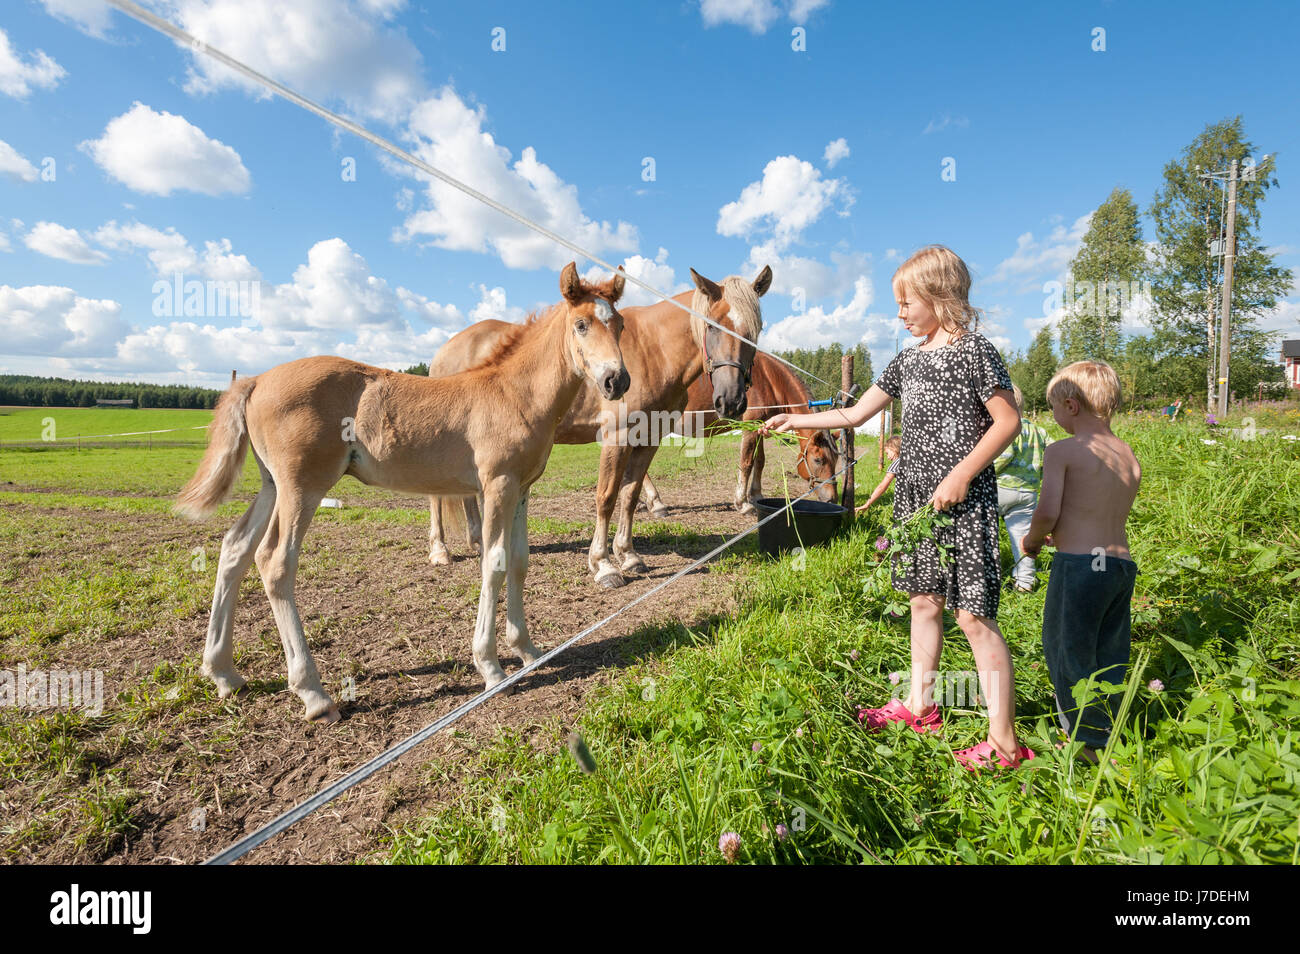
(1094, 384)
(1019, 395)
(938, 277)
(745, 313)
(894, 445)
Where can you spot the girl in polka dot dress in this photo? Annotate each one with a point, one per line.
(958, 415)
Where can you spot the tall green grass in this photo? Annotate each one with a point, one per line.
(748, 723)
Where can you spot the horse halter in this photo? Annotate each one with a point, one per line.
(710, 366)
(802, 459)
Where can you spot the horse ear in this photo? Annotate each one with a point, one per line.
(616, 286)
(571, 284)
(764, 281)
(712, 290)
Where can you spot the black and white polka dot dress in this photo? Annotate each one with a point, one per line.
(943, 393)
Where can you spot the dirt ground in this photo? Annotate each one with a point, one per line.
(401, 629)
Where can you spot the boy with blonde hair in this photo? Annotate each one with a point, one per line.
(1019, 470)
(1090, 481)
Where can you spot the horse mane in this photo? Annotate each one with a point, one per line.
(511, 340)
(745, 312)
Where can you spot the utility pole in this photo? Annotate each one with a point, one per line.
(1229, 255)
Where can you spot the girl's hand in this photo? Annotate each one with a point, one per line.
(950, 492)
(777, 424)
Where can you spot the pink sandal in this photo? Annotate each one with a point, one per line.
(985, 755)
(894, 711)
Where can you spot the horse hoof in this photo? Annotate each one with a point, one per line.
(611, 580)
(326, 716)
(746, 508)
(660, 513)
(440, 558)
(634, 564)
(227, 684)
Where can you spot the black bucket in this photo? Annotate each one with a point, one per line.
(815, 521)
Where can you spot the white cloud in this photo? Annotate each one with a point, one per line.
(445, 317)
(14, 164)
(52, 321)
(61, 242)
(801, 10)
(936, 125)
(756, 15)
(159, 153)
(653, 271)
(204, 349)
(1284, 318)
(992, 326)
(169, 253)
(4, 243)
(817, 279)
(18, 78)
(791, 196)
(835, 151)
(325, 49)
(334, 304)
(89, 16)
(1035, 262)
(849, 324)
(492, 304)
(450, 135)
(333, 290)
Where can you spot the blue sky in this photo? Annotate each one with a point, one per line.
(824, 162)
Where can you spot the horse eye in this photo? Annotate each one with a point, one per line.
(582, 327)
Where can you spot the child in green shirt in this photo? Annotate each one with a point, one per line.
(1019, 470)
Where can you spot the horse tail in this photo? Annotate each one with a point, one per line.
(223, 461)
(451, 511)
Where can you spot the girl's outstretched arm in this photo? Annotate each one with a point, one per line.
(875, 494)
(872, 403)
(1006, 425)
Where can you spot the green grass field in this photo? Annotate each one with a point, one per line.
(61, 424)
(750, 724)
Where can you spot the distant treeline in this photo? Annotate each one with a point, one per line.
(28, 391)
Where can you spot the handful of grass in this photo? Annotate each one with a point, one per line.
(920, 526)
(784, 437)
(904, 537)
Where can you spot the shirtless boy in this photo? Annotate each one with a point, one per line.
(1090, 481)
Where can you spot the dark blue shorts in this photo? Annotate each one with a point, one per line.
(1086, 633)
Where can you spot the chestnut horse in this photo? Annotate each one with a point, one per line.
(666, 350)
(488, 431)
(775, 389)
